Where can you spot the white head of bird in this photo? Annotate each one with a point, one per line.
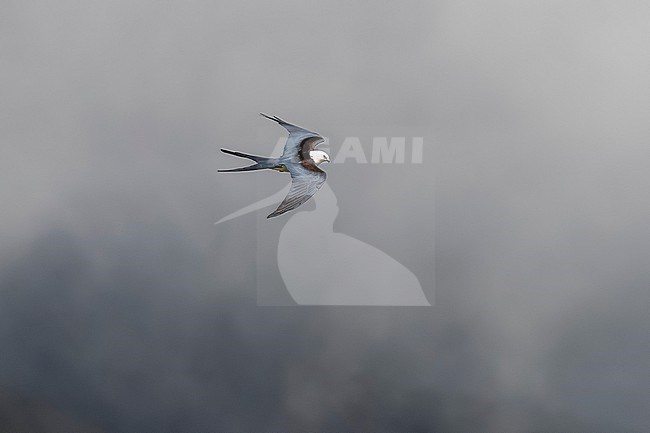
(319, 156)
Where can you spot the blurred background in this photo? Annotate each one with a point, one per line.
(123, 308)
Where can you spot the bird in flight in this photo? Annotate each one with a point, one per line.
(299, 158)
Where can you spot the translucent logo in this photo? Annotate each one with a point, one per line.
(312, 256)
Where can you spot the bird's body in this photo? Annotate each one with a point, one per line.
(299, 159)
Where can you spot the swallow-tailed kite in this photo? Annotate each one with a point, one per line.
(298, 158)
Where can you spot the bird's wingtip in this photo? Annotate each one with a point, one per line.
(273, 118)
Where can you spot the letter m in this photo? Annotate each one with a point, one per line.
(388, 151)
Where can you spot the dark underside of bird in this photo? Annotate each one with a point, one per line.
(299, 158)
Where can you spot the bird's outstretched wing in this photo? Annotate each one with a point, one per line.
(300, 140)
(305, 181)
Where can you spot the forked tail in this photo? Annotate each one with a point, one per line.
(261, 162)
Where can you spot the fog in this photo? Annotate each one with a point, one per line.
(124, 307)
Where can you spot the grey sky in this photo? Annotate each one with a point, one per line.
(122, 305)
